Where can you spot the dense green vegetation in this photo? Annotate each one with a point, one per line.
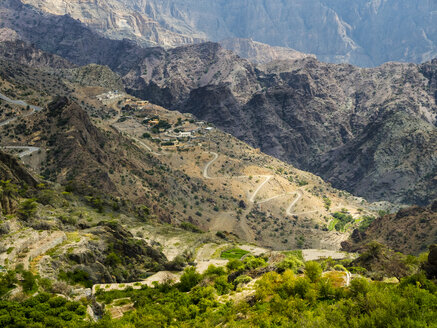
(280, 300)
(251, 291)
(290, 293)
(234, 253)
(342, 220)
(42, 310)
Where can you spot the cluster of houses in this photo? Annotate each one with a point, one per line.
(170, 136)
(111, 95)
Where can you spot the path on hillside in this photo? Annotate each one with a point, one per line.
(26, 150)
(252, 198)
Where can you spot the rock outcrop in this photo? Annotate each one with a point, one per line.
(261, 53)
(116, 256)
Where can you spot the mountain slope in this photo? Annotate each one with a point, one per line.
(411, 231)
(207, 179)
(260, 53)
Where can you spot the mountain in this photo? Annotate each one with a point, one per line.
(22, 52)
(364, 32)
(122, 20)
(97, 142)
(116, 211)
(369, 131)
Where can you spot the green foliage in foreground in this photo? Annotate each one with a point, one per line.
(282, 300)
(279, 300)
(42, 310)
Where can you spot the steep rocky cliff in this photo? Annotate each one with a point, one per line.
(261, 53)
(23, 53)
(12, 174)
(364, 32)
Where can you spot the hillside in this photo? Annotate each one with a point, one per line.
(338, 121)
(179, 171)
(261, 53)
(409, 231)
(310, 114)
(153, 187)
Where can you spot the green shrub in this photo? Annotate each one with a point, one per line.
(252, 262)
(112, 259)
(292, 263)
(222, 286)
(214, 271)
(235, 265)
(77, 277)
(189, 279)
(190, 227)
(220, 234)
(241, 280)
(29, 281)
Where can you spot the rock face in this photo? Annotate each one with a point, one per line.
(362, 32)
(261, 53)
(11, 170)
(116, 257)
(136, 20)
(12, 175)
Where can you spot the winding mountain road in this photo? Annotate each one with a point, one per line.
(206, 168)
(252, 198)
(26, 150)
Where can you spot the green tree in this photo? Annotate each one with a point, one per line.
(313, 270)
(189, 279)
(29, 281)
(27, 209)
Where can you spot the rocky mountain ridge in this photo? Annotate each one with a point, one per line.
(364, 33)
(101, 143)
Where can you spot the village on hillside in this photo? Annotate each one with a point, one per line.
(155, 123)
